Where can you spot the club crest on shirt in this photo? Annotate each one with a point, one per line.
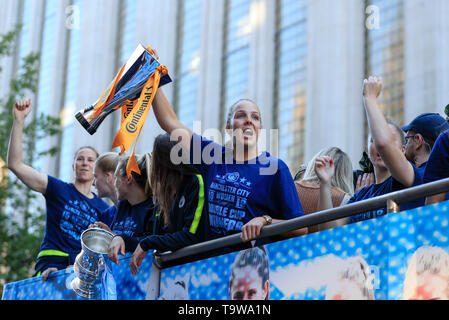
(182, 201)
(232, 177)
(235, 179)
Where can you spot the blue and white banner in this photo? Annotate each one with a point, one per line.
(118, 284)
(398, 256)
(394, 257)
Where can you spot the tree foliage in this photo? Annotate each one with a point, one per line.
(22, 217)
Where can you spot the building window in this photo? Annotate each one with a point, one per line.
(236, 58)
(47, 58)
(25, 34)
(126, 43)
(128, 24)
(70, 97)
(291, 77)
(188, 60)
(385, 56)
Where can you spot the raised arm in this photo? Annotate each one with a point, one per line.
(32, 178)
(324, 168)
(383, 137)
(167, 119)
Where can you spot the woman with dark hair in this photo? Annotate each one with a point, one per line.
(178, 193)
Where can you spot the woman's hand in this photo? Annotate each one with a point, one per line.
(364, 180)
(325, 170)
(47, 272)
(137, 259)
(252, 229)
(101, 225)
(117, 244)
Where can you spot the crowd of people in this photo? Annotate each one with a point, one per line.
(169, 206)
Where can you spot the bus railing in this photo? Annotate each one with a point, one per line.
(392, 200)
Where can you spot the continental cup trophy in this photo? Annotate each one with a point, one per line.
(90, 263)
(132, 90)
(125, 90)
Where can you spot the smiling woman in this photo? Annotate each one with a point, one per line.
(71, 207)
(84, 162)
(245, 123)
(257, 186)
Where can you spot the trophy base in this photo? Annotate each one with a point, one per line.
(86, 125)
(83, 290)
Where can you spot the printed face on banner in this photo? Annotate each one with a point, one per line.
(398, 256)
(247, 285)
(431, 287)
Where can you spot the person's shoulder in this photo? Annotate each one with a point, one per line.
(191, 184)
(194, 180)
(443, 140)
(265, 158)
(122, 205)
(98, 202)
(110, 209)
(204, 141)
(56, 184)
(56, 180)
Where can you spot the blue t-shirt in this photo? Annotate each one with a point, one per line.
(239, 192)
(388, 186)
(130, 220)
(69, 213)
(107, 216)
(438, 163)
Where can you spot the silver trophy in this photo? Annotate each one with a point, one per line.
(90, 263)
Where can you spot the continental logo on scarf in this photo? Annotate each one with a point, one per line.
(134, 114)
(127, 107)
(133, 124)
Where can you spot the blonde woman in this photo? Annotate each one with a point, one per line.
(135, 207)
(104, 183)
(341, 186)
(245, 189)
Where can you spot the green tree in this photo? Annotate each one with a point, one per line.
(22, 225)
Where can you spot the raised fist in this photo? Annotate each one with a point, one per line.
(22, 109)
(372, 87)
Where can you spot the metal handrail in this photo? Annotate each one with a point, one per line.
(406, 195)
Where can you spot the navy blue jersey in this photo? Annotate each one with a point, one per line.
(130, 220)
(388, 186)
(107, 216)
(188, 225)
(69, 213)
(438, 164)
(239, 192)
